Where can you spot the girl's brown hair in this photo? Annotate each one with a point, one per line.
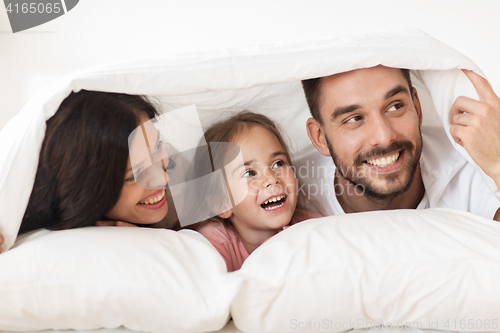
(228, 131)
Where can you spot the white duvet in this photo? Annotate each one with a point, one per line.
(400, 266)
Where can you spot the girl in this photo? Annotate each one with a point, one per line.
(263, 187)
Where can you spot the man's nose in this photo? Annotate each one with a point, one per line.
(381, 132)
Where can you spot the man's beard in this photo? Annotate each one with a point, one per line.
(349, 172)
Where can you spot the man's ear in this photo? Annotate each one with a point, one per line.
(317, 136)
(416, 102)
(227, 214)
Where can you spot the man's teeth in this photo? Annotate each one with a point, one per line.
(153, 200)
(383, 162)
(278, 198)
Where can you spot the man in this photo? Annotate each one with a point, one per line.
(369, 122)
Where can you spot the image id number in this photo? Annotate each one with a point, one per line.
(471, 324)
(34, 7)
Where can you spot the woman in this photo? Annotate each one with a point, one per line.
(84, 173)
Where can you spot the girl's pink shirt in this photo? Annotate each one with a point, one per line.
(229, 244)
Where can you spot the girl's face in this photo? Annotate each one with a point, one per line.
(266, 178)
(137, 204)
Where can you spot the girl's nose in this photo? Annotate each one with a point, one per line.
(270, 179)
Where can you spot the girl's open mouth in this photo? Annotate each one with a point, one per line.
(274, 202)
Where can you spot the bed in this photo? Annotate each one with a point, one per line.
(397, 270)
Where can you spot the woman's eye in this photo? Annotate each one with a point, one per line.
(171, 164)
(395, 107)
(278, 164)
(249, 173)
(136, 174)
(130, 179)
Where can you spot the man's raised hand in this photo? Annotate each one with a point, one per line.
(475, 125)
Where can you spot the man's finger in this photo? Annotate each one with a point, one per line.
(462, 119)
(465, 104)
(458, 132)
(482, 86)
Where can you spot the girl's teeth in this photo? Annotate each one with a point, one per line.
(274, 207)
(274, 199)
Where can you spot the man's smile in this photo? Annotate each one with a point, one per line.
(388, 163)
(385, 161)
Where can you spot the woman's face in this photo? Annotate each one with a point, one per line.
(143, 197)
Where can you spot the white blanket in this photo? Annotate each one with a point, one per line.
(262, 78)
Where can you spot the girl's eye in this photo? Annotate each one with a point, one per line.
(395, 107)
(278, 164)
(249, 173)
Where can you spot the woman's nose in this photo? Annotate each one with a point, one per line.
(154, 177)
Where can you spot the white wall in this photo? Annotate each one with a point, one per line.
(103, 31)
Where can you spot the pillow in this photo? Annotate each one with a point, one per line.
(427, 269)
(103, 277)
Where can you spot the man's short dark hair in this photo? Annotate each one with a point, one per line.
(312, 90)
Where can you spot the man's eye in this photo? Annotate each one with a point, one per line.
(278, 164)
(353, 119)
(395, 107)
(249, 173)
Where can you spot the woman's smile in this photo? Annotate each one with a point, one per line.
(154, 201)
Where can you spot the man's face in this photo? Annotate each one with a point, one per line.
(371, 127)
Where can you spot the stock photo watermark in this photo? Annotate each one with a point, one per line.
(25, 14)
(441, 324)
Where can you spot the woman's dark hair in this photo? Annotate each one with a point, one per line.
(83, 159)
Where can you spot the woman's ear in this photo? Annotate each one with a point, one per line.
(227, 214)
